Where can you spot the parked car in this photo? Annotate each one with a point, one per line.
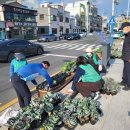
(82, 34)
(73, 36)
(9, 47)
(64, 36)
(47, 37)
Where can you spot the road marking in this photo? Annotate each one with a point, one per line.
(75, 46)
(83, 47)
(59, 46)
(38, 57)
(15, 100)
(62, 55)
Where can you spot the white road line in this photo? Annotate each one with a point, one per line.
(66, 45)
(57, 46)
(75, 46)
(94, 47)
(62, 56)
(91, 45)
(38, 57)
(54, 46)
(82, 47)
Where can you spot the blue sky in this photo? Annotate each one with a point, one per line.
(104, 6)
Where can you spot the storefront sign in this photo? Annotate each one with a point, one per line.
(9, 24)
(20, 10)
(25, 24)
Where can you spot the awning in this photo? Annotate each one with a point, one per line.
(9, 24)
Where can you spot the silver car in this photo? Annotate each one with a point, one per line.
(47, 38)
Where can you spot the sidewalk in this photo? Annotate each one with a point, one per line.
(115, 108)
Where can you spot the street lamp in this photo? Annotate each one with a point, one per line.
(128, 9)
(114, 2)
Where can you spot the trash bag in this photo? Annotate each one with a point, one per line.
(9, 113)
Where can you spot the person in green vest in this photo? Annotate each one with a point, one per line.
(90, 82)
(93, 59)
(18, 62)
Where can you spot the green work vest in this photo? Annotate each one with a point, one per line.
(94, 58)
(90, 74)
(18, 64)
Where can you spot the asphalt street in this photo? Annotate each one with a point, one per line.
(56, 53)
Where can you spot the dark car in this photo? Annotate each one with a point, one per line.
(47, 37)
(64, 36)
(73, 36)
(9, 47)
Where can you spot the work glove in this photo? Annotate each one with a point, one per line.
(100, 68)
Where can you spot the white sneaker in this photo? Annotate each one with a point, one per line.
(97, 96)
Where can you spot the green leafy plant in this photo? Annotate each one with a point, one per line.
(98, 50)
(116, 53)
(35, 112)
(110, 86)
(68, 67)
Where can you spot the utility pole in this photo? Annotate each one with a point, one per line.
(87, 18)
(114, 2)
(113, 7)
(128, 9)
(63, 16)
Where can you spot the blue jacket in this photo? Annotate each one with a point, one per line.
(30, 71)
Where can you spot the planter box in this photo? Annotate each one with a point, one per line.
(57, 88)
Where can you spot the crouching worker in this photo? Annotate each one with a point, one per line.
(93, 59)
(90, 80)
(28, 73)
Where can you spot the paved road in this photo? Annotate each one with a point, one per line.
(56, 52)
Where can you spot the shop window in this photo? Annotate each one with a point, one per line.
(42, 30)
(41, 16)
(54, 30)
(16, 32)
(8, 16)
(16, 17)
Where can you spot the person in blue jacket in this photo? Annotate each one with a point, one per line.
(25, 74)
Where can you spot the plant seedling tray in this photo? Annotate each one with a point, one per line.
(60, 86)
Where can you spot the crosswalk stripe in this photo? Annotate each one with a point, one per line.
(71, 46)
(82, 47)
(62, 46)
(54, 46)
(75, 46)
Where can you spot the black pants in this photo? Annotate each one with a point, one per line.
(126, 73)
(22, 90)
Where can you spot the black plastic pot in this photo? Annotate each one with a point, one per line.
(36, 124)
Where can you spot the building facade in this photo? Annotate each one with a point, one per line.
(20, 22)
(88, 13)
(77, 12)
(105, 21)
(52, 19)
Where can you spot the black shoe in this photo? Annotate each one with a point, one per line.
(122, 83)
(126, 88)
